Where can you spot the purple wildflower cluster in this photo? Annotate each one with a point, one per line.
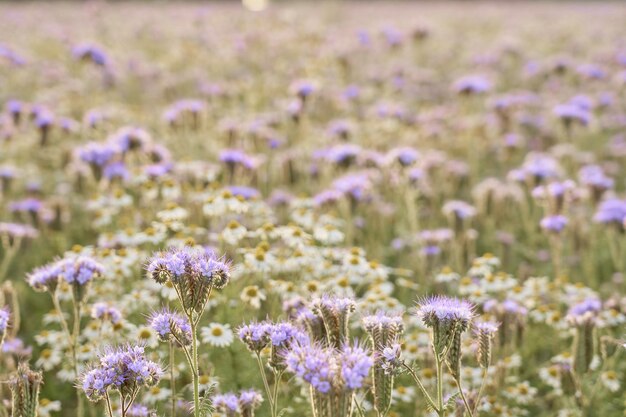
(124, 369)
(243, 404)
(76, 271)
(325, 369)
(171, 326)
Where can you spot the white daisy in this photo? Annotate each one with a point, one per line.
(147, 336)
(253, 295)
(217, 334)
(46, 407)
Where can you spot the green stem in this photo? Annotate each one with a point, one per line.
(440, 410)
(421, 386)
(194, 370)
(172, 379)
(75, 335)
(268, 392)
(467, 407)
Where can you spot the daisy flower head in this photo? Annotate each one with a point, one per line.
(253, 296)
(217, 335)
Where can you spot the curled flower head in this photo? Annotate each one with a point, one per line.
(335, 313)
(314, 364)
(255, 336)
(445, 310)
(448, 318)
(355, 366)
(171, 326)
(194, 271)
(227, 403)
(45, 278)
(81, 270)
(4, 322)
(123, 369)
(249, 400)
(485, 331)
(105, 312)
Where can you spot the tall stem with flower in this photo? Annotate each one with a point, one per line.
(77, 272)
(193, 272)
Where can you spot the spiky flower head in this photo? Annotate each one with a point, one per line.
(327, 369)
(383, 329)
(446, 316)
(171, 327)
(24, 385)
(45, 278)
(255, 336)
(4, 323)
(583, 317)
(105, 312)
(79, 271)
(124, 369)
(384, 332)
(249, 400)
(194, 272)
(335, 314)
(227, 403)
(485, 331)
(355, 366)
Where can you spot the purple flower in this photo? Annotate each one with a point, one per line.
(237, 157)
(4, 322)
(98, 154)
(460, 209)
(570, 112)
(226, 403)
(29, 205)
(593, 176)
(249, 400)
(255, 336)
(103, 311)
(190, 267)
(124, 369)
(314, 364)
(247, 193)
(555, 223)
(80, 270)
(302, 88)
(18, 231)
(442, 309)
(171, 326)
(611, 211)
(92, 53)
(472, 84)
(355, 366)
(589, 306)
(116, 170)
(138, 410)
(45, 278)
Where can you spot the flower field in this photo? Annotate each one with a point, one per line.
(325, 209)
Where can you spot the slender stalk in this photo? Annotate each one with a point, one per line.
(75, 334)
(172, 379)
(440, 410)
(421, 386)
(467, 407)
(194, 370)
(480, 390)
(108, 402)
(277, 376)
(268, 392)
